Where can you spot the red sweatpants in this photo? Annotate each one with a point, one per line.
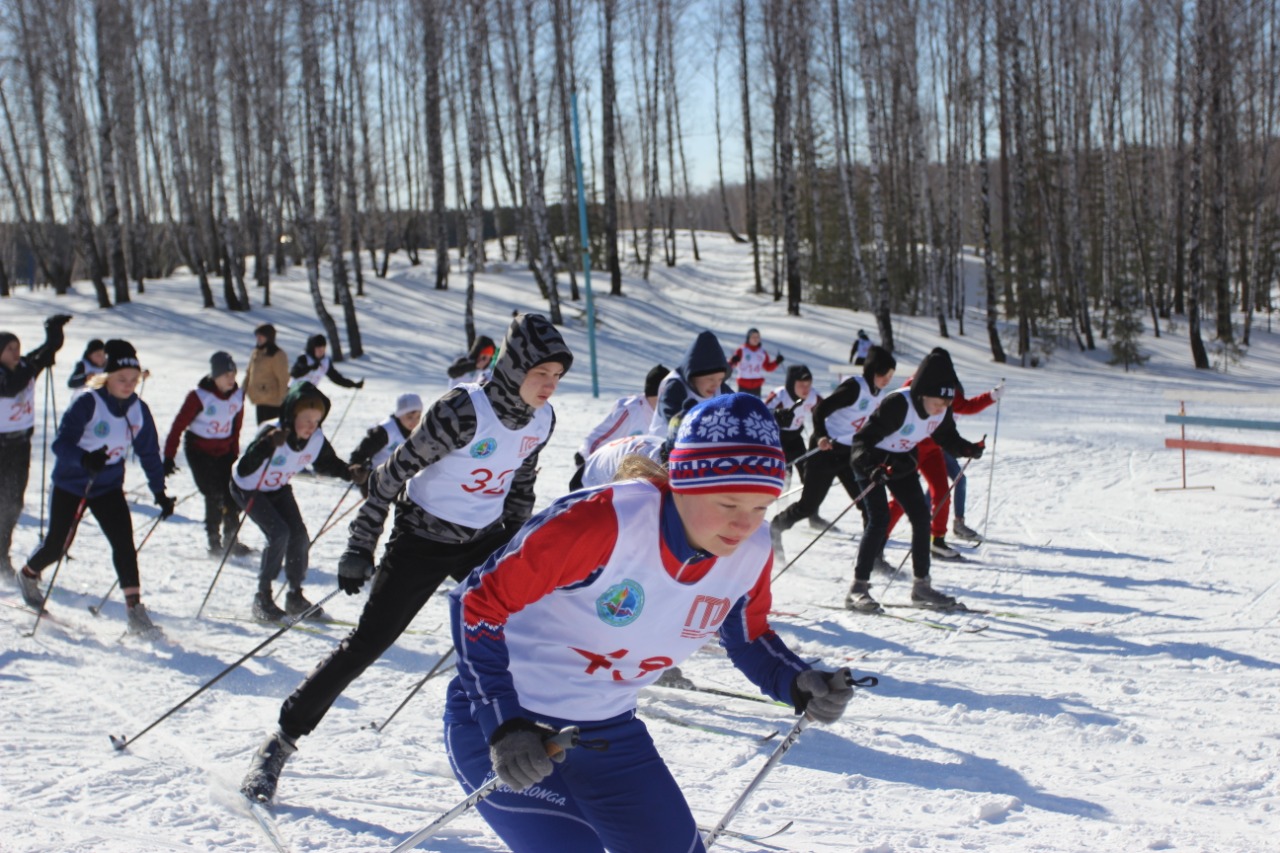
(934, 469)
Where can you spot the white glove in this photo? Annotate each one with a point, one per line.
(997, 392)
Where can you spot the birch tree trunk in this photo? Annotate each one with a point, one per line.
(477, 34)
(608, 133)
(748, 145)
(433, 59)
(105, 31)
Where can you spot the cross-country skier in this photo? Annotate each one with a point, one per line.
(94, 438)
(462, 486)
(752, 362)
(791, 404)
(266, 379)
(593, 600)
(18, 375)
(603, 465)
(474, 366)
(208, 424)
(629, 416)
(699, 376)
(861, 346)
(382, 440)
(934, 466)
(884, 456)
(314, 366)
(90, 364)
(835, 421)
(262, 475)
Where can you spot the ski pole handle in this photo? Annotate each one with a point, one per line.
(562, 741)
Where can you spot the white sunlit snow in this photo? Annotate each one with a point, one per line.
(1122, 695)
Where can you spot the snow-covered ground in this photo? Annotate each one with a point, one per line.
(1122, 695)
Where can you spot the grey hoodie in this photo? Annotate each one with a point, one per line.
(449, 424)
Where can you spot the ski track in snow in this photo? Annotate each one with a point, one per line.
(1122, 696)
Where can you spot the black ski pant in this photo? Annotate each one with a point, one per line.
(15, 470)
(912, 499)
(793, 449)
(213, 478)
(288, 542)
(112, 512)
(822, 469)
(411, 570)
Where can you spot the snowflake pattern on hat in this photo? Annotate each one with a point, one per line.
(728, 443)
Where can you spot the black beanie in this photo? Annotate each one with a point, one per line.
(879, 362)
(316, 341)
(797, 373)
(750, 332)
(936, 376)
(7, 338)
(93, 346)
(221, 362)
(654, 378)
(120, 354)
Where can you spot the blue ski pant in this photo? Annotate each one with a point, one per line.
(623, 798)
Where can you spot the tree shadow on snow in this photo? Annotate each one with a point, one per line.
(1084, 642)
(966, 773)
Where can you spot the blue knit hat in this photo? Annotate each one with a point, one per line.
(729, 443)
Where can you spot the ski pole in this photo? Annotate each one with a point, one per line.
(378, 727)
(830, 524)
(66, 546)
(325, 524)
(803, 457)
(781, 750)
(44, 447)
(562, 741)
(334, 523)
(991, 474)
(932, 516)
(350, 400)
(244, 513)
(96, 609)
(121, 742)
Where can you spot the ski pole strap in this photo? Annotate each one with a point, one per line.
(562, 741)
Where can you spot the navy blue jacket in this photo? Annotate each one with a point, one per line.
(69, 473)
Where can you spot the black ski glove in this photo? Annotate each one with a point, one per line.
(170, 467)
(578, 461)
(977, 448)
(822, 695)
(166, 505)
(359, 384)
(781, 358)
(881, 474)
(518, 753)
(355, 566)
(277, 436)
(94, 461)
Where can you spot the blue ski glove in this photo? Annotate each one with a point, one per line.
(519, 754)
(822, 695)
(355, 566)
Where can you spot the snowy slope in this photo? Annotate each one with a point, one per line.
(1126, 702)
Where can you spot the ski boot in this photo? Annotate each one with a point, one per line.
(265, 609)
(964, 531)
(673, 677)
(882, 565)
(924, 595)
(140, 623)
(939, 548)
(817, 522)
(30, 586)
(775, 534)
(295, 604)
(260, 782)
(859, 599)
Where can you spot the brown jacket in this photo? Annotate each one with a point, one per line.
(267, 377)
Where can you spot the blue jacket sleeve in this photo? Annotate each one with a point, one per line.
(146, 446)
(766, 660)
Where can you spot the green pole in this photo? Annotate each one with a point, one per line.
(586, 248)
